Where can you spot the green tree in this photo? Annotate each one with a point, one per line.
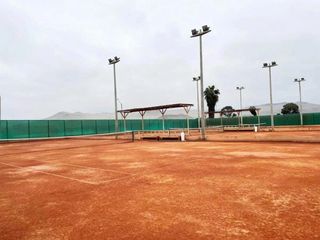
(228, 111)
(253, 110)
(290, 108)
(212, 97)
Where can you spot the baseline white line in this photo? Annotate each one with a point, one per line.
(52, 174)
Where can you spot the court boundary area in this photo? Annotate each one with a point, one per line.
(186, 187)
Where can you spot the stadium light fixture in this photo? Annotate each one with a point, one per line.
(299, 80)
(198, 33)
(270, 65)
(194, 32)
(113, 62)
(205, 28)
(197, 79)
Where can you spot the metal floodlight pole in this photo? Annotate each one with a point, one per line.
(203, 121)
(113, 62)
(271, 101)
(240, 90)
(198, 33)
(198, 105)
(301, 114)
(116, 126)
(270, 65)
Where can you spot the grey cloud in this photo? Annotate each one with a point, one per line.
(53, 54)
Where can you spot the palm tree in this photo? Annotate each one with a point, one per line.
(212, 97)
(253, 110)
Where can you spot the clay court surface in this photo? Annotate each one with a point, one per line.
(94, 189)
(279, 135)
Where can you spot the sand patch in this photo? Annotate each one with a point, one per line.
(39, 168)
(135, 165)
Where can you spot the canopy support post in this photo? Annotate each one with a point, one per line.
(187, 110)
(124, 115)
(163, 111)
(142, 113)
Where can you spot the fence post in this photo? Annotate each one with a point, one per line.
(7, 125)
(48, 128)
(29, 134)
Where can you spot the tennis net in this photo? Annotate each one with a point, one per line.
(119, 137)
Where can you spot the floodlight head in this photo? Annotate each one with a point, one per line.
(110, 60)
(296, 80)
(237, 88)
(273, 63)
(194, 79)
(302, 79)
(205, 28)
(265, 65)
(194, 32)
(117, 59)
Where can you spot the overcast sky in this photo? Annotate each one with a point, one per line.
(53, 54)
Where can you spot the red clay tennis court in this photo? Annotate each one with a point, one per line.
(99, 189)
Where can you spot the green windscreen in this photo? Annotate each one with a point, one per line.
(38, 128)
(89, 127)
(73, 127)
(56, 128)
(3, 129)
(17, 129)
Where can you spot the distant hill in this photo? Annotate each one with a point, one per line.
(80, 115)
(176, 114)
(306, 107)
(172, 114)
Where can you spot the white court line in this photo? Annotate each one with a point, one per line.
(52, 174)
(145, 173)
(76, 165)
(140, 175)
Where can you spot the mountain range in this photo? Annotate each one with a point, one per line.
(178, 113)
